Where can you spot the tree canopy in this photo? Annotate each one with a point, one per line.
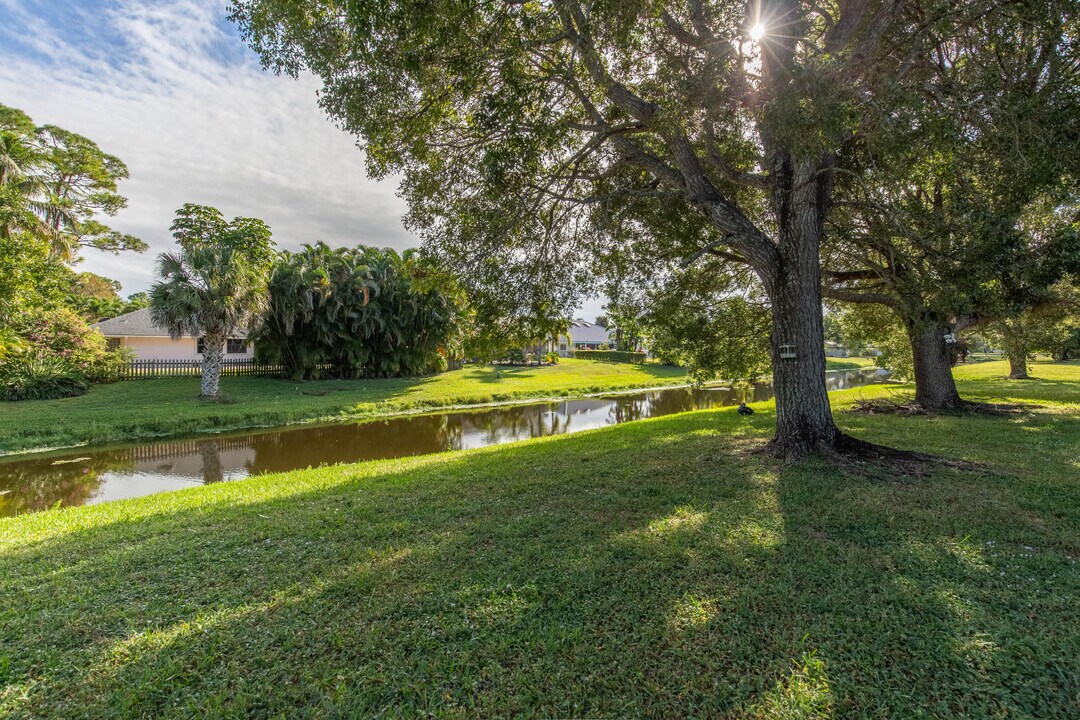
(962, 215)
(58, 184)
(529, 135)
(55, 186)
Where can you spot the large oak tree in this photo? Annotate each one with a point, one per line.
(516, 125)
(961, 217)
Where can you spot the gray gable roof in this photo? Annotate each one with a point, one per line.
(585, 332)
(132, 324)
(139, 324)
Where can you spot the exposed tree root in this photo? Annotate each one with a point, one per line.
(882, 462)
(869, 460)
(883, 406)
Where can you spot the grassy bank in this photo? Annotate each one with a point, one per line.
(653, 568)
(146, 408)
(848, 363)
(151, 408)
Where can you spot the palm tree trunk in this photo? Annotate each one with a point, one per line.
(213, 355)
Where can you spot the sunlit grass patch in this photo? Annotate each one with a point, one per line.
(691, 612)
(803, 694)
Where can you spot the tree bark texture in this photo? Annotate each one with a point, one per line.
(804, 421)
(935, 388)
(1018, 364)
(213, 355)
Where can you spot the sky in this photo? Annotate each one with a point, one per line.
(169, 87)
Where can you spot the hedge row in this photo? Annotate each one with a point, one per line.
(620, 356)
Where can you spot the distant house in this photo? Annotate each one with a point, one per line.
(137, 331)
(835, 349)
(583, 335)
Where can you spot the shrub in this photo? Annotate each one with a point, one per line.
(106, 368)
(620, 356)
(516, 357)
(10, 343)
(437, 364)
(63, 336)
(604, 346)
(61, 333)
(552, 358)
(31, 376)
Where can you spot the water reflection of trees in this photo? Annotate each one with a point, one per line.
(353, 442)
(41, 483)
(628, 408)
(515, 422)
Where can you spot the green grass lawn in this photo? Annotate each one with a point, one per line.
(152, 408)
(656, 568)
(848, 363)
(146, 408)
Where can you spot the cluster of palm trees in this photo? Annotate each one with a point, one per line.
(359, 312)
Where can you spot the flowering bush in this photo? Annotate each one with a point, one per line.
(54, 353)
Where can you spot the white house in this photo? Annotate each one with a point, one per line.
(582, 335)
(150, 342)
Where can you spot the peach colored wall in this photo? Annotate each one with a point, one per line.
(163, 348)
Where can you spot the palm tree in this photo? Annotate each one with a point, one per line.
(214, 286)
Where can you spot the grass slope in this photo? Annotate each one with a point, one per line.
(145, 408)
(153, 408)
(848, 363)
(653, 568)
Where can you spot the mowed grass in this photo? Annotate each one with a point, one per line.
(652, 569)
(848, 363)
(147, 408)
(138, 409)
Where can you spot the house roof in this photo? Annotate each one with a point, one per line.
(139, 324)
(132, 324)
(585, 332)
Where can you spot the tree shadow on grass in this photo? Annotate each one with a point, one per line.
(629, 572)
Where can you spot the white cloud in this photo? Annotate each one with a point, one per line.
(171, 91)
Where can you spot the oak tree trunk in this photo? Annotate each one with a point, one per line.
(804, 421)
(213, 355)
(1018, 364)
(935, 388)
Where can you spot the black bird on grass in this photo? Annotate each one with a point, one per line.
(743, 410)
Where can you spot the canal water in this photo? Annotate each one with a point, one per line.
(98, 474)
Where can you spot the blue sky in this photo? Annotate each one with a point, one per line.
(169, 87)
